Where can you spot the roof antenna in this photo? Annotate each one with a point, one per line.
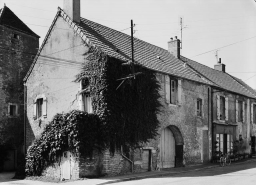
(216, 55)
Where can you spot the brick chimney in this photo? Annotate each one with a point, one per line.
(72, 8)
(219, 66)
(174, 47)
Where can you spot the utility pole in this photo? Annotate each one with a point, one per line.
(181, 28)
(132, 48)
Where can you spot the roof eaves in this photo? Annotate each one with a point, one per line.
(40, 49)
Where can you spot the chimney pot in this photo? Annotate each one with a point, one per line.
(176, 37)
(171, 38)
(219, 61)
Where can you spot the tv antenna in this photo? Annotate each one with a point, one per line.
(181, 30)
(131, 63)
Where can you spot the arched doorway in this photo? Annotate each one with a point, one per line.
(171, 147)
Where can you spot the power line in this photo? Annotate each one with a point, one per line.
(225, 46)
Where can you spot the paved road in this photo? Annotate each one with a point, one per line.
(236, 174)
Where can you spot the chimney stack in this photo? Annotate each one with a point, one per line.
(174, 47)
(72, 8)
(219, 66)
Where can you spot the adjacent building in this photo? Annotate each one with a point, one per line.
(18, 47)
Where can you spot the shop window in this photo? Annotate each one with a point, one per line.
(199, 107)
(224, 143)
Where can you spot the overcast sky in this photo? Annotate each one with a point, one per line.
(228, 26)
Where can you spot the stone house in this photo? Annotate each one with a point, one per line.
(233, 105)
(185, 133)
(18, 46)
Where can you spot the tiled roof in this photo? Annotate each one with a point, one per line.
(222, 79)
(118, 45)
(9, 19)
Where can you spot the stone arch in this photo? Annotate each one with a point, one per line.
(177, 134)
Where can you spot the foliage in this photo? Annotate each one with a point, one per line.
(128, 108)
(76, 131)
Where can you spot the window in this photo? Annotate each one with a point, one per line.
(240, 111)
(16, 36)
(172, 90)
(222, 108)
(40, 107)
(13, 109)
(199, 107)
(224, 143)
(87, 103)
(253, 113)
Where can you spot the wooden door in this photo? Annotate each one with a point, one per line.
(167, 149)
(205, 146)
(146, 160)
(65, 165)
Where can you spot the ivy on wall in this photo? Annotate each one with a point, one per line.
(128, 112)
(76, 131)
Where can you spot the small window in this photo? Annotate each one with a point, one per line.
(240, 111)
(87, 103)
(254, 113)
(13, 109)
(222, 108)
(199, 107)
(16, 36)
(39, 106)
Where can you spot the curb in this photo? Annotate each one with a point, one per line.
(170, 173)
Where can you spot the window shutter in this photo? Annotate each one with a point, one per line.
(34, 112)
(226, 108)
(252, 113)
(44, 107)
(243, 111)
(179, 91)
(17, 110)
(9, 109)
(236, 110)
(218, 107)
(167, 89)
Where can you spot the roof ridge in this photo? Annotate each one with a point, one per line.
(16, 22)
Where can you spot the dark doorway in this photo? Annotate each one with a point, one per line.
(253, 145)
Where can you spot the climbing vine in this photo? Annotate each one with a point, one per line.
(75, 131)
(126, 105)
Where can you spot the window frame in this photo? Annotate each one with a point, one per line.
(172, 90)
(199, 109)
(16, 112)
(40, 113)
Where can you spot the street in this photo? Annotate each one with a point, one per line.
(236, 174)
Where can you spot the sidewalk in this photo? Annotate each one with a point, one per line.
(172, 171)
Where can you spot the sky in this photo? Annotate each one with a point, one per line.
(225, 26)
